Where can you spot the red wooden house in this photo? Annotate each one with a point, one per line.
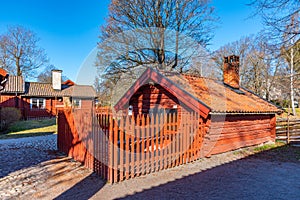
(38, 100)
(233, 116)
(208, 117)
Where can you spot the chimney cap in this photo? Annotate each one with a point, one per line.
(231, 71)
(231, 58)
(56, 70)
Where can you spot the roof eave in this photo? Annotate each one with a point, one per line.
(244, 113)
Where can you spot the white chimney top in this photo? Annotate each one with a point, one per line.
(56, 79)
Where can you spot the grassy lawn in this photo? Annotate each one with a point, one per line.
(284, 115)
(30, 128)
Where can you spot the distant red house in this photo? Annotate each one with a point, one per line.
(36, 100)
(233, 116)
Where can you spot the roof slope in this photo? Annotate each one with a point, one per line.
(40, 90)
(46, 90)
(80, 91)
(221, 98)
(15, 84)
(202, 94)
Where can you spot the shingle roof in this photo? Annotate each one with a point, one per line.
(221, 98)
(80, 91)
(203, 95)
(46, 90)
(40, 90)
(15, 84)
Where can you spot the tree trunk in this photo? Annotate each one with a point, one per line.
(176, 42)
(161, 51)
(19, 72)
(292, 81)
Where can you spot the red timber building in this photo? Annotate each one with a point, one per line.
(233, 116)
(39, 100)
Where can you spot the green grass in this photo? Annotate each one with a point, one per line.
(267, 147)
(284, 115)
(258, 149)
(30, 128)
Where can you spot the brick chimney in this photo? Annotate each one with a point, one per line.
(56, 79)
(231, 75)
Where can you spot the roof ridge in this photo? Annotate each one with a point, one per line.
(199, 76)
(38, 82)
(166, 73)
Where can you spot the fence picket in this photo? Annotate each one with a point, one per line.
(147, 152)
(129, 146)
(133, 151)
(173, 140)
(138, 146)
(115, 149)
(121, 149)
(152, 135)
(181, 134)
(111, 146)
(161, 152)
(142, 152)
(157, 145)
(127, 134)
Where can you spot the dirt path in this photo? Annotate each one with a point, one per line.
(273, 174)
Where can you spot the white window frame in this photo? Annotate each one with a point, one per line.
(74, 104)
(38, 100)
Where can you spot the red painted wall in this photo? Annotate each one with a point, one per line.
(149, 97)
(23, 103)
(232, 132)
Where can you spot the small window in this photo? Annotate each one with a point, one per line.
(76, 103)
(37, 103)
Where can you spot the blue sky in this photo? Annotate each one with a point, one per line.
(69, 29)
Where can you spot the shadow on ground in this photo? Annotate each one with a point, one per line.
(18, 155)
(84, 189)
(271, 174)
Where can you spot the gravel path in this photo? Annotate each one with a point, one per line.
(32, 169)
(21, 153)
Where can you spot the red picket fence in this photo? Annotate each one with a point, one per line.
(123, 147)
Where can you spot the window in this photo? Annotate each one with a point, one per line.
(76, 103)
(37, 103)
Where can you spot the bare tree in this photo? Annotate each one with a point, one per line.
(46, 75)
(277, 16)
(154, 33)
(258, 65)
(20, 53)
(282, 21)
(291, 53)
(241, 48)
